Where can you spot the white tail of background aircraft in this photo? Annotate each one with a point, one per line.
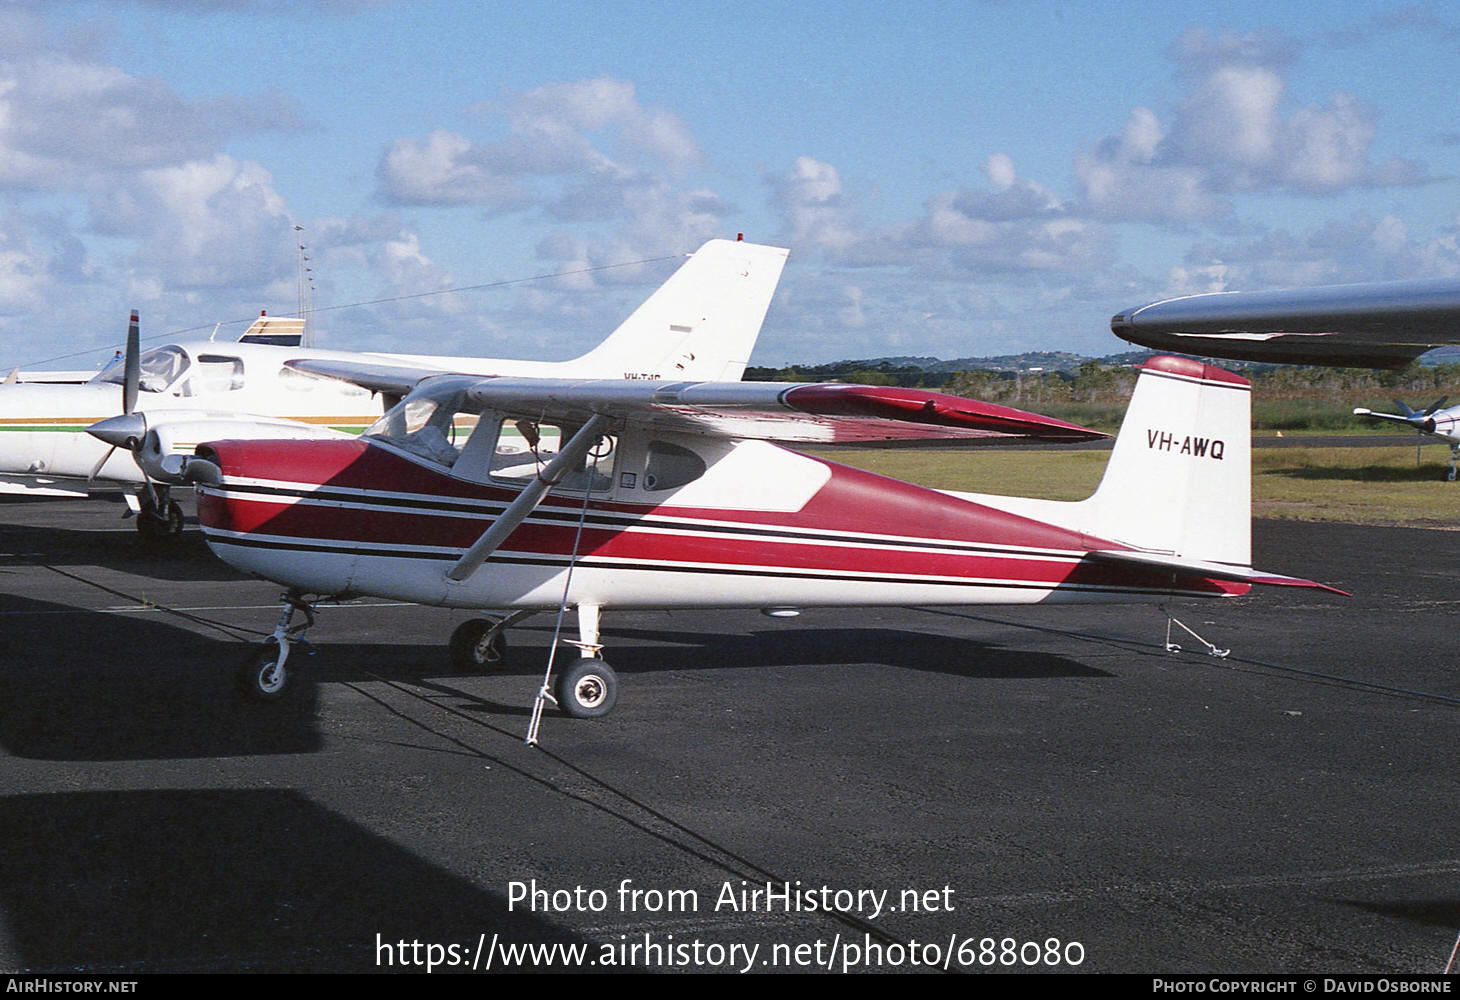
(701, 324)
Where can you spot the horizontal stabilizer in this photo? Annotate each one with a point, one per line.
(1221, 571)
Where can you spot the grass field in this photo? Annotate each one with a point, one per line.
(1363, 485)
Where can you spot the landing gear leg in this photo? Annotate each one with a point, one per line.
(160, 516)
(588, 688)
(265, 675)
(480, 644)
(1450, 472)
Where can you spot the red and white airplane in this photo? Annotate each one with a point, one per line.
(517, 495)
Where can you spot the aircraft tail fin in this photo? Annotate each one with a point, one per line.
(1179, 480)
(701, 324)
(279, 331)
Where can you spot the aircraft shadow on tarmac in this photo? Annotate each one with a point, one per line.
(647, 651)
(644, 651)
(185, 558)
(218, 880)
(122, 687)
(117, 687)
(1443, 913)
(902, 648)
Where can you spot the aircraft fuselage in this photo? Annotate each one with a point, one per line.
(757, 526)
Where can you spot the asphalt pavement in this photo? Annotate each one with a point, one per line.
(973, 789)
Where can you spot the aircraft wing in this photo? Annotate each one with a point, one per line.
(1361, 411)
(392, 380)
(1374, 325)
(774, 411)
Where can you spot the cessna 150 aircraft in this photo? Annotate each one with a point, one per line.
(174, 396)
(517, 495)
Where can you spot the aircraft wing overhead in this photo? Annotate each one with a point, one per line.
(1373, 325)
(775, 411)
(393, 380)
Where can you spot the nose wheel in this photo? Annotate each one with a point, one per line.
(159, 516)
(263, 675)
(266, 674)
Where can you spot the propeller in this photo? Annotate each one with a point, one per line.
(127, 430)
(1423, 421)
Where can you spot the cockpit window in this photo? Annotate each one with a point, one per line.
(160, 368)
(525, 446)
(670, 466)
(432, 427)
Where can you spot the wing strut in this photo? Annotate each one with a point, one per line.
(547, 477)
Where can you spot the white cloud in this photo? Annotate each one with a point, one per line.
(1121, 179)
(215, 223)
(1237, 131)
(445, 169)
(816, 210)
(574, 146)
(67, 120)
(1018, 226)
(1360, 247)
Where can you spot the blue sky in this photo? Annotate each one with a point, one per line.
(952, 179)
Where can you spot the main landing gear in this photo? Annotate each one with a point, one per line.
(586, 689)
(266, 674)
(480, 644)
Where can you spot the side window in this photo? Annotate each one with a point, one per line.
(218, 373)
(670, 466)
(525, 446)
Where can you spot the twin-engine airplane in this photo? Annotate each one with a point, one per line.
(174, 396)
(189, 391)
(521, 494)
(1441, 423)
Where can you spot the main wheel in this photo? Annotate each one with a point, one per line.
(1450, 474)
(261, 676)
(588, 689)
(471, 652)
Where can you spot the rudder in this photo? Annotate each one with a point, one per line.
(701, 324)
(1179, 479)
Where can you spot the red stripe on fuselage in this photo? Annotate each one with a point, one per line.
(852, 502)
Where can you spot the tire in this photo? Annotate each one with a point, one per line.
(258, 677)
(466, 652)
(588, 689)
(164, 525)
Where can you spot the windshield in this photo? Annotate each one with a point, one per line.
(160, 367)
(433, 425)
